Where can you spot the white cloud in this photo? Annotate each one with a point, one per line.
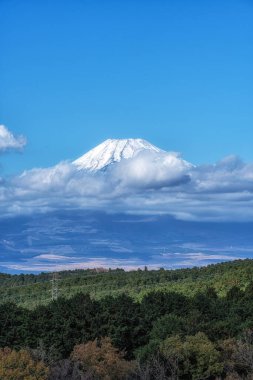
(8, 141)
(151, 170)
(229, 175)
(53, 257)
(147, 184)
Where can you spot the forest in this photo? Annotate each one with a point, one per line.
(30, 290)
(148, 332)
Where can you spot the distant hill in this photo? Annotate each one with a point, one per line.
(30, 290)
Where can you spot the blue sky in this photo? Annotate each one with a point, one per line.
(177, 73)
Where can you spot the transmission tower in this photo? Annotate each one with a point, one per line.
(55, 288)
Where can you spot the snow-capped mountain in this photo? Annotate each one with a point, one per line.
(111, 151)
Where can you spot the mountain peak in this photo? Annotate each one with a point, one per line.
(112, 150)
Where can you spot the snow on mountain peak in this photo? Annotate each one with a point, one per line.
(113, 150)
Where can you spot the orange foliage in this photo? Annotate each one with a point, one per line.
(102, 359)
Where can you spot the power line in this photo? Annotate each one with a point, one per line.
(54, 287)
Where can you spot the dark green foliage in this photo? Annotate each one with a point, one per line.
(62, 324)
(122, 321)
(169, 324)
(157, 304)
(14, 324)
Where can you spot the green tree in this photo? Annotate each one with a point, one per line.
(196, 356)
(166, 326)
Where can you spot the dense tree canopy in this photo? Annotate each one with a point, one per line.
(31, 290)
(162, 335)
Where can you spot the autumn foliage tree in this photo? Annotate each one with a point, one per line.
(20, 365)
(102, 359)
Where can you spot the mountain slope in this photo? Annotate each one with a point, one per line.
(111, 151)
(32, 290)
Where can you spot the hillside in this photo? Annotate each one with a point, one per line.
(30, 290)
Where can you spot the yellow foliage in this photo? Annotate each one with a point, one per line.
(19, 365)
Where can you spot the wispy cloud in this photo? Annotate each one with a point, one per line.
(50, 262)
(112, 245)
(88, 263)
(52, 257)
(197, 257)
